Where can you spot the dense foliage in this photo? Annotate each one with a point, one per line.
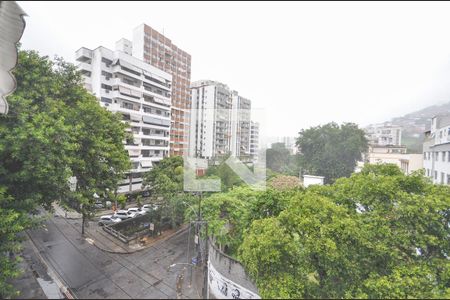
(331, 150)
(54, 130)
(377, 234)
(279, 159)
(165, 182)
(227, 176)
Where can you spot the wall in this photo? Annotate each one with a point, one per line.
(309, 180)
(227, 278)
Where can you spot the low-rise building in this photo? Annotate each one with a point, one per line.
(138, 91)
(436, 150)
(397, 155)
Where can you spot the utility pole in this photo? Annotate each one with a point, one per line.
(205, 266)
(199, 219)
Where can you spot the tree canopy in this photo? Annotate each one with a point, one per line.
(55, 129)
(377, 234)
(279, 159)
(331, 150)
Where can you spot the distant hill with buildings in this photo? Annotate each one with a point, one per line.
(414, 124)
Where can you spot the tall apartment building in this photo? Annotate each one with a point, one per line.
(210, 127)
(240, 126)
(254, 140)
(436, 150)
(157, 50)
(138, 91)
(384, 135)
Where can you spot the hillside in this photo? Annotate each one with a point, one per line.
(414, 124)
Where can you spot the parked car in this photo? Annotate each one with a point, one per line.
(124, 214)
(108, 220)
(148, 207)
(137, 210)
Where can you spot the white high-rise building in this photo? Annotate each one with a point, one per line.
(254, 140)
(240, 126)
(436, 150)
(138, 91)
(210, 129)
(220, 122)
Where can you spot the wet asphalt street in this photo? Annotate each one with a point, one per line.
(92, 273)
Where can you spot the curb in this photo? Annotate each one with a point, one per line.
(137, 250)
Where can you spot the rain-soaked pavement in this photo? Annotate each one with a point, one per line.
(91, 273)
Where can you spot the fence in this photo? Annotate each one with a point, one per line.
(131, 229)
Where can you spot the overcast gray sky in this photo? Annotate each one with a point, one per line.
(304, 63)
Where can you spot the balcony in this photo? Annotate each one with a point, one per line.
(83, 54)
(119, 69)
(84, 67)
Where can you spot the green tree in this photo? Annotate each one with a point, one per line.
(279, 159)
(12, 223)
(377, 234)
(45, 139)
(99, 160)
(227, 217)
(35, 148)
(227, 176)
(35, 140)
(331, 150)
(165, 181)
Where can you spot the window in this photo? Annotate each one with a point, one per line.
(106, 100)
(106, 61)
(106, 87)
(448, 156)
(435, 175)
(442, 177)
(443, 155)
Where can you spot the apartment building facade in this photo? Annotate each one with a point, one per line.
(157, 50)
(436, 150)
(384, 135)
(210, 127)
(138, 91)
(240, 126)
(397, 155)
(254, 140)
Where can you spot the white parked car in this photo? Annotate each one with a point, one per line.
(137, 211)
(108, 220)
(124, 214)
(148, 207)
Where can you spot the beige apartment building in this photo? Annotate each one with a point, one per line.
(383, 154)
(157, 50)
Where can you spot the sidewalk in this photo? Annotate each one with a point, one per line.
(68, 214)
(35, 282)
(106, 242)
